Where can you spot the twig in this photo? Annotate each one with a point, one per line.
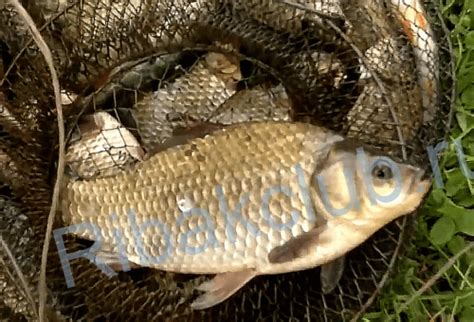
(439, 314)
(451, 261)
(43, 47)
(18, 271)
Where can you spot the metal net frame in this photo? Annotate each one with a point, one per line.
(111, 55)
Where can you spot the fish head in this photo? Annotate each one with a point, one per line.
(388, 189)
(366, 186)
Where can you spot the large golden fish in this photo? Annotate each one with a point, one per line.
(249, 199)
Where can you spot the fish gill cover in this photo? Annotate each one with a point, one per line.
(361, 68)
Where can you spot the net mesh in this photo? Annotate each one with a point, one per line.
(358, 67)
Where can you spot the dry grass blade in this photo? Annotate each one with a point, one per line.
(46, 52)
(20, 274)
(436, 276)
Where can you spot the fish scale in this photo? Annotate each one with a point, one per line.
(242, 165)
(129, 300)
(258, 103)
(209, 83)
(238, 203)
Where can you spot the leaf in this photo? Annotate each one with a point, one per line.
(469, 5)
(371, 316)
(456, 244)
(467, 96)
(467, 301)
(464, 198)
(462, 121)
(466, 203)
(443, 230)
(465, 21)
(450, 209)
(469, 39)
(467, 315)
(452, 160)
(454, 19)
(437, 197)
(456, 181)
(465, 222)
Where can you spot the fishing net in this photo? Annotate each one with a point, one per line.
(358, 67)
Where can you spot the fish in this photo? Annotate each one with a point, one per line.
(390, 107)
(371, 26)
(384, 57)
(48, 8)
(95, 36)
(372, 118)
(367, 22)
(9, 121)
(13, 30)
(18, 238)
(292, 54)
(101, 146)
(189, 98)
(124, 88)
(242, 201)
(259, 103)
(368, 119)
(286, 18)
(415, 23)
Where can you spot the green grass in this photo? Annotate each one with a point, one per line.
(446, 222)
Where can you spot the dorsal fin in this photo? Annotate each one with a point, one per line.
(183, 135)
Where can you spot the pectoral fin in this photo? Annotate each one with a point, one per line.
(296, 247)
(113, 260)
(331, 274)
(221, 287)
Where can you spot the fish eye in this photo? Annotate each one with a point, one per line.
(382, 171)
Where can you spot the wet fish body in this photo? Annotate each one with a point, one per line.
(246, 161)
(372, 119)
(381, 123)
(284, 17)
(139, 77)
(370, 29)
(191, 97)
(101, 146)
(367, 22)
(259, 103)
(385, 57)
(17, 237)
(394, 110)
(414, 20)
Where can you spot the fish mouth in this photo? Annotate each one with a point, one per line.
(420, 183)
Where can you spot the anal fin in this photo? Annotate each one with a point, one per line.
(331, 274)
(113, 260)
(221, 287)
